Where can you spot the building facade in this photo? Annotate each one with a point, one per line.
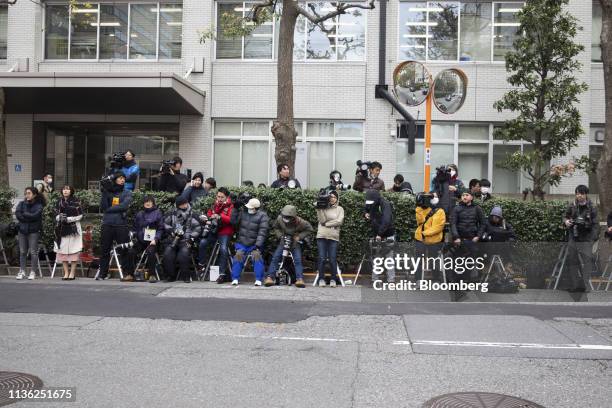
(81, 84)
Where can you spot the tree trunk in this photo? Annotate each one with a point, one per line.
(4, 177)
(604, 168)
(283, 127)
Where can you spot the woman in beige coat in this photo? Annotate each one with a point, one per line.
(328, 236)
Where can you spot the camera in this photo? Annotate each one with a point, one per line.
(287, 241)
(177, 234)
(117, 160)
(335, 182)
(165, 166)
(241, 199)
(363, 167)
(126, 245)
(443, 172)
(211, 226)
(322, 199)
(423, 200)
(578, 224)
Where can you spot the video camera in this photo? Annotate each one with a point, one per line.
(322, 199)
(443, 173)
(363, 167)
(117, 160)
(241, 199)
(166, 165)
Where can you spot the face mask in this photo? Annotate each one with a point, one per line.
(336, 178)
(452, 173)
(435, 201)
(252, 210)
(287, 220)
(484, 190)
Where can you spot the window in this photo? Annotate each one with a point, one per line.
(106, 31)
(245, 151)
(3, 30)
(342, 39)
(457, 31)
(596, 32)
(596, 137)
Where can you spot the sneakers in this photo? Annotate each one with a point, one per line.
(235, 282)
(127, 278)
(257, 283)
(152, 279)
(332, 283)
(300, 283)
(20, 275)
(322, 282)
(32, 275)
(101, 277)
(268, 281)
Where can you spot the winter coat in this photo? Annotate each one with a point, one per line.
(300, 227)
(172, 183)
(432, 231)
(225, 211)
(365, 183)
(190, 224)
(590, 231)
(282, 183)
(45, 189)
(193, 194)
(467, 221)
(252, 228)
(149, 218)
(501, 232)
(381, 219)
(330, 221)
(71, 243)
(115, 204)
(131, 172)
(404, 187)
(29, 215)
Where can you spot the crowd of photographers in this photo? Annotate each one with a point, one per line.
(448, 218)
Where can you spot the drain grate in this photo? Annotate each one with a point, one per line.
(16, 381)
(479, 400)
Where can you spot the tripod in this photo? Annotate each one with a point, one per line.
(560, 265)
(144, 258)
(498, 263)
(374, 248)
(212, 259)
(606, 274)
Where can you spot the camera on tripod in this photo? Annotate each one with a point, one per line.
(127, 245)
(363, 167)
(166, 165)
(443, 172)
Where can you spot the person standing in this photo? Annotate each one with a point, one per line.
(429, 235)
(379, 214)
(284, 180)
(68, 242)
(171, 180)
(29, 215)
(369, 179)
(130, 169)
(46, 187)
(328, 237)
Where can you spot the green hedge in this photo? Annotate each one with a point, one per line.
(532, 220)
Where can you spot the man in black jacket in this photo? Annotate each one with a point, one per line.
(468, 224)
(172, 181)
(115, 202)
(253, 224)
(379, 213)
(583, 229)
(609, 230)
(284, 178)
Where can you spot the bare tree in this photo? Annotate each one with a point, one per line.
(604, 168)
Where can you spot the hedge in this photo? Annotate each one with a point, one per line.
(534, 221)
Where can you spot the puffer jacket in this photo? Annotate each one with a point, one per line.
(193, 194)
(115, 214)
(301, 228)
(191, 225)
(467, 221)
(252, 228)
(330, 221)
(131, 172)
(432, 231)
(225, 211)
(149, 218)
(29, 215)
(501, 232)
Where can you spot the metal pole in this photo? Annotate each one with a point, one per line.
(427, 160)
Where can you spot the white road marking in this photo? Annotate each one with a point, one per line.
(504, 345)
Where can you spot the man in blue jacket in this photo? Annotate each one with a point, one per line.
(130, 169)
(115, 202)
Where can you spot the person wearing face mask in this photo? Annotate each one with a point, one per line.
(148, 228)
(253, 224)
(497, 228)
(29, 214)
(289, 224)
(429, 234)
(371, 181)
(335, 182)
(196, 189)
(221, 212)
(379, 214)
(181, 228)
(284, 178)
(68, 242)
(46, 187)
(130, 169)
(446, 188)
(328, 237)
(485, 190)
(581, 222)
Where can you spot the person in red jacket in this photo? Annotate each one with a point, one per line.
(217, 227)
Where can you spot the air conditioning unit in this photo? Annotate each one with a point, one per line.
(600, 135)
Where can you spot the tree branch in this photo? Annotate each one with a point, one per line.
(341, 8)
(257, 8)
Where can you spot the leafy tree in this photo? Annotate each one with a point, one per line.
(545, 93)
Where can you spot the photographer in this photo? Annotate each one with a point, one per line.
(196, 190)
(583, 229)
(68, 242)
(181, 228)
(330, 217)
(253, 224)
(497, 229)
(446, 188)
(335, 182)
(485, 190)
(130, 169)
(284, 181)
(366, 177)
(379, 213)
(468, 224)
(429, 234)
(400, 186)
(148, 229)
(46, 187)
(171, 180)
(29, 214)
(114, 203)
(218, 228)
(289, 224)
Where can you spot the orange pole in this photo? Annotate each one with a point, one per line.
(427, 142)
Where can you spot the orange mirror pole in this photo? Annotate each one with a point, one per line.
(427, 142)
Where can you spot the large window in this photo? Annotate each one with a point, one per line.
(3, 30)
(341, 39)
(596, 32)
(106, 31)
(244, 150)
(457, 31)
(596, 137)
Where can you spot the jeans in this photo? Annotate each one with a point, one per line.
(328, 249)
(28, 241)
(296, 251)
(242, 253)
(181, 253)
(208, 243)
(119, 234)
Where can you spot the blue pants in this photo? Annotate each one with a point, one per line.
(238, 265)
(208, 243)
(297, 261)
(328, 248)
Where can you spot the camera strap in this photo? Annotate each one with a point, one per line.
(427, 217)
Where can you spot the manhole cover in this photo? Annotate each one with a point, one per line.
(16, 381)
(478, 400)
